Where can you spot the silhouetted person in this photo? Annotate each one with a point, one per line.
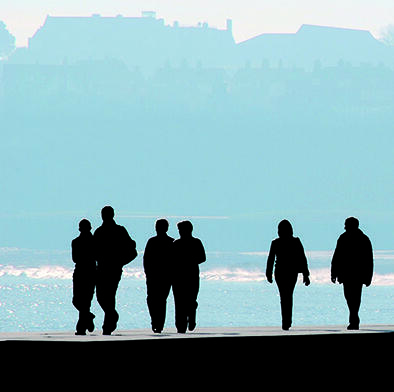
(352, 265)
(287, 253)
(84, 276)
(157, 259)
(189, 253)
(114, 249)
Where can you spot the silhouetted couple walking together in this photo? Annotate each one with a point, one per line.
(170, 263)
(99, 259)
(351, 265)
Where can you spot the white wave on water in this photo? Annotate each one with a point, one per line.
(221, 266)
(233, 275)
(327, 254)
(318, 276)
(312, 254)
(323, 276)
(42, 272)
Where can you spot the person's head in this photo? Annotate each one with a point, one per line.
(161, 226)
(84, 226)
(107, 213)
(185, 228)
(285, 229)
(351, 224)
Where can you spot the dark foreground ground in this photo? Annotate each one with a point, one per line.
(208, 358)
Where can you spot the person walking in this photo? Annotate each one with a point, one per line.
(157, 259)
(352, 266)
(189, 253)
(288, 256)
(114, 249)
(84, 276)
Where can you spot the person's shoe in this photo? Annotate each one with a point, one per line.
(191, 326)
(353, 327)
(110, 323)
(80, 328)
(90, 323)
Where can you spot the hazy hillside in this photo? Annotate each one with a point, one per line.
(249, 143)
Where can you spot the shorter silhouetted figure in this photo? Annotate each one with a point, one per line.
(157, 259)
(84, 276)
(352, 265)
(114, 249)
(287, 253)
(189, 253)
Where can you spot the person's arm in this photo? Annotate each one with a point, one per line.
(73, 252)
(270, 262)
(130, 250)
(369, 263)
(304, 265)
(147, 256)
(201, 256)
(335, 263)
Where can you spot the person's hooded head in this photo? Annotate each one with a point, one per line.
(285, 230)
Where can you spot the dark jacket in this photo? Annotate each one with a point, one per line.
(114, 246)
(288, 256)
(83, 252)
(188, 254)
(353, 258)
(158, 255)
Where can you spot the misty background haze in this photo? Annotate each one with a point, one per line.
(182, 121)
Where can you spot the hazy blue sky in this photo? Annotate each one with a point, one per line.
(250, 17)
(351, 171)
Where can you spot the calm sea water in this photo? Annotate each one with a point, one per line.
(36, 293)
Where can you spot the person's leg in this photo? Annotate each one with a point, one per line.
(157, 294)
(107, 285)
(352, 292)
(192, 305)
(180, 307)
(165, 287)
(151, 290)
(90, 287)
(76, 301)
(84, 283)
(286, 285)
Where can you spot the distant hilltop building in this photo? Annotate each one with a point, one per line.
(327, 46)
(147, 42)
(144, 42)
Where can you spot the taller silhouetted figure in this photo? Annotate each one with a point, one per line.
(189, 253)
(352, 265)
(84, 276)
(114, 249)
(157, 263)
(287, 253)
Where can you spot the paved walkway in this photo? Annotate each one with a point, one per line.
(202, 332)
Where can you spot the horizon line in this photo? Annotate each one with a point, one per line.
(160, 216)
